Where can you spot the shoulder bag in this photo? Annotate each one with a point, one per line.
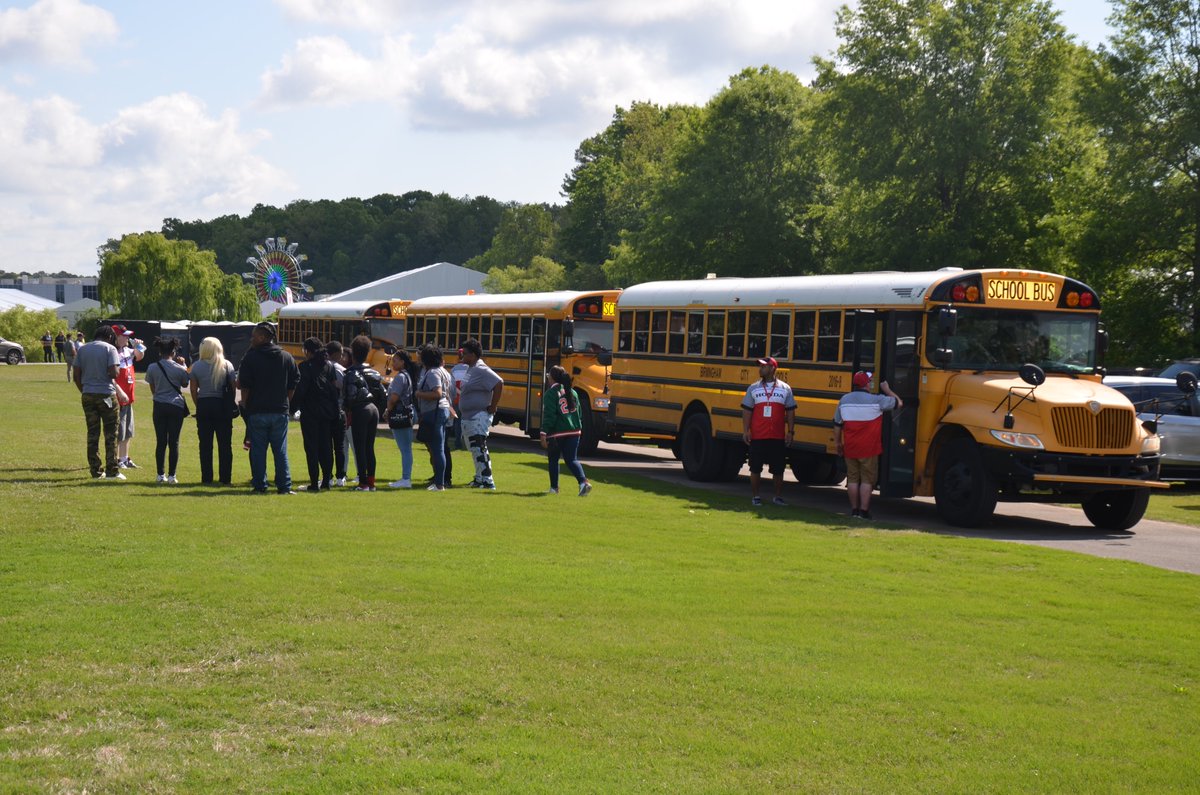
(186, 411)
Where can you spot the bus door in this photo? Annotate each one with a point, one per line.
(534, 345)
(899, 365)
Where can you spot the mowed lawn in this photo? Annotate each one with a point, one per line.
(646, 638)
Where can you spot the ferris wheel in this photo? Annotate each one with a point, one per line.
(278, 273)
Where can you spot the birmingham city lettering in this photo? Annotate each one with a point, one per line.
(1014, 290)
(710, 372)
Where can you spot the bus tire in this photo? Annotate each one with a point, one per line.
(735, 457)
(816, 469)
(963, 488)
(1116, 510)
(702, 454)
(589, 439)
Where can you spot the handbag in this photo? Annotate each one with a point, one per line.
(186, 411)
(401, 416)
(427, 430)
(229, 400)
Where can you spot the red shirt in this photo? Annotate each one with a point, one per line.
(769, 401)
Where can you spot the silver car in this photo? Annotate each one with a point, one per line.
(11, 352)
(1174, 404)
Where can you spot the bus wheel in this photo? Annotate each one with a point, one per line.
(589, 440)
(702, 454)
(815, 469)
(1116, 510)
(963, 489)
(735, 456)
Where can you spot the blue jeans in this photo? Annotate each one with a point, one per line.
(269, 429)
(404, 440)
(568, 448)
(437, 447)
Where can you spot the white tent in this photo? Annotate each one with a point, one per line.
(13, 298)
(442, 278)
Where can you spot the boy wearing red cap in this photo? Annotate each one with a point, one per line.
(857, 432)
(768, 422)
(129, 350)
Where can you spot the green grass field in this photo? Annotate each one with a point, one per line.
(646, 638)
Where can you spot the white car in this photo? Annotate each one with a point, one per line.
(1174, 405)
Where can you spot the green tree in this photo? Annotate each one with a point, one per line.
(611, 188)
(525, 231)
(938, 117)
(27, 326)
(736, 197)
(1142, 244)
(541, 275)
(147, 276)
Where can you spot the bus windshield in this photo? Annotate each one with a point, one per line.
(593, 336)
(1004, 339)
(390, 330)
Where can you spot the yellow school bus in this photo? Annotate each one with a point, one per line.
(998, 370)
(524, 334)
(382, 321)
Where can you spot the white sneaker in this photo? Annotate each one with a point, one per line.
(118, 476)
(585, 489)
(171, 479)
(161, 479)
(403, 483)
(339, 482)
(552, 491)
(435, 487)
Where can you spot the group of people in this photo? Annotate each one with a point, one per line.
(769, 421)
(62, 349)
(340, 398)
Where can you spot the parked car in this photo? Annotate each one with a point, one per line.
(1181, 365)
(11, 352)
(1175, 406)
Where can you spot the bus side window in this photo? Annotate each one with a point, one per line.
(802, 341)
(625, 331)
(525, 334)
(829, 336)
(473, 326)
(695, 333)
(658, 331)
(735, 339)
(641, 331)
(510, 334)
(781, 330)
(757, 347)
(497, 334)
(676, 342)
(716, 332)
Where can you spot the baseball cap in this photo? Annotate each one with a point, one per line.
(120, 330)
(770, 360)
(862, 378)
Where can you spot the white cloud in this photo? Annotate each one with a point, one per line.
(543, 62)
(54, 31)
(167, 157)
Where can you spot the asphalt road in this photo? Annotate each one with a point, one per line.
(1162, 544)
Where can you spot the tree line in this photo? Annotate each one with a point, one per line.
(971, 133)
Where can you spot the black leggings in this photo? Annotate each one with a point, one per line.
(168, 422)
(211, 420)
(364, 422)
(318, 447)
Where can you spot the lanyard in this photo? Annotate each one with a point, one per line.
(770, 394)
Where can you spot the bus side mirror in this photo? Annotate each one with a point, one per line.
(1101, 343)
(1186, 382)
(942, 356)
(604, 358)
(947, 321)
(568, 336)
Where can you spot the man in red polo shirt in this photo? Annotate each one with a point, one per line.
(768, 423)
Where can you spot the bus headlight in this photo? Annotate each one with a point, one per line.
(600, 402)
(1151, 445)
(1014, 439)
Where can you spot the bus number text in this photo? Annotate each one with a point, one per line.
(835, 382)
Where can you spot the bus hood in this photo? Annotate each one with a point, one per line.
(1066, 414)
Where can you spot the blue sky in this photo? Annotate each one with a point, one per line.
(117, 114)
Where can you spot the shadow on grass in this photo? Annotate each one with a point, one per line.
(822, 505)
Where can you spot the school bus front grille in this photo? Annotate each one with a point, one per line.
(1077, 426)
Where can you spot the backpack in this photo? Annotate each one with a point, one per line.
(375, 389)
(327, 392)
(364, 385)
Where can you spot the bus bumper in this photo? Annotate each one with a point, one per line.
(1060, 472)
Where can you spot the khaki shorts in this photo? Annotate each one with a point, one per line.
(862, 470)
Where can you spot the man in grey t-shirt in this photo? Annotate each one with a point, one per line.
(96, 367)
(478, 399)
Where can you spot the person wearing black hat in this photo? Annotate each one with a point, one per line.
(768, 424)
(267, 379)
(857, 434)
